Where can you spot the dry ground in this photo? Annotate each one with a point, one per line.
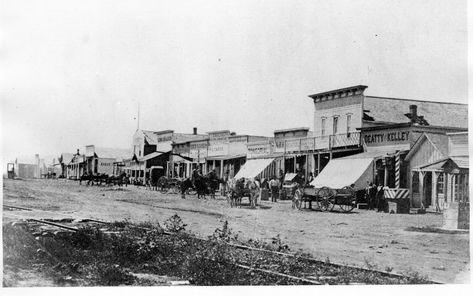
(362, 238)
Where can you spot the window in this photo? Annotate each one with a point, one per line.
(323, 127)
(335, 125)
(348, 124)
(415, 182)
(440, 183)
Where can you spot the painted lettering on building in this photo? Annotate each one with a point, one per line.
(381, 138)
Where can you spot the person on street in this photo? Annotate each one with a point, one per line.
(274, 185)
(225, 180)
(382, 206)
(310, 178)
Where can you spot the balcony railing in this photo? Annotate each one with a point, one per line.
(319, 143)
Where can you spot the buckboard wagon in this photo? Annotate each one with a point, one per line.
(326, 198)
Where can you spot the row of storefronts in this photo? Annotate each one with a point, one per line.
(411, 148)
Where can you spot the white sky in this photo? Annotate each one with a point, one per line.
(74, 71)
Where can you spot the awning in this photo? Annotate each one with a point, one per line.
(354, 169)
(341, 172)
(180, 159)
(151, 156)
(225, 157)
(253, 167)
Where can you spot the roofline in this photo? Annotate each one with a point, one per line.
(425, 101)
(292, 129)
(331, 92)
(458, 133)
(219, 131)
(408, 124)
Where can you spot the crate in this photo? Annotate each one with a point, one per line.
(398, 206)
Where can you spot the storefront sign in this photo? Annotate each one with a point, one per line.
(182, 149)
(219, 136)
(198, 150)
(165, 137)
(259, 150)
(307, 144)
(239, 139)
(388, 137)
(217, 149)
(293, 145)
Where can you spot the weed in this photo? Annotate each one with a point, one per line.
(175, 224)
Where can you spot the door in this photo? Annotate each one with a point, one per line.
(427, 189)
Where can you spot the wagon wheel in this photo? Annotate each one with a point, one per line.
(347, 201)
(326, 199)
(174, 188)
(297, 200)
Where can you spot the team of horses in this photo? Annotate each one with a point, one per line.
(104, 179)
(203, 185)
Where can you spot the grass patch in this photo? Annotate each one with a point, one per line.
(93, 256)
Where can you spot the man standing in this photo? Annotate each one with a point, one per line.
(225, 180)
(274, 185)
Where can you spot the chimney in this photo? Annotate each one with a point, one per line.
(195, 131)
(413, 111)
(78, 152)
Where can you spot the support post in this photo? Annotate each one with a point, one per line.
(397, 169)
(421, 189)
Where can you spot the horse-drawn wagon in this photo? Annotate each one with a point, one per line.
(289, 186)
(326, 198)
(339, 184)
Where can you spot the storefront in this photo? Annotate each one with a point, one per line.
(439, 171)
(262, 161)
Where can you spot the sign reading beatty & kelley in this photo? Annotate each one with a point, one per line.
(386, 137)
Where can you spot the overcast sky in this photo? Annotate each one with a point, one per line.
(73, 72)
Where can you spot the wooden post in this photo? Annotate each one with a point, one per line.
(221, 169)
(318, 163)
(435, 202)
(385, 172)
(421, 189)
(295, 163)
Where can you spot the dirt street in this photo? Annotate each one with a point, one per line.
(363, 238)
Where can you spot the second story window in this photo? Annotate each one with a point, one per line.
(335, 125)
(348, 124)
(323, 127)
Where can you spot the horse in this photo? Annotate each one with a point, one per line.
(185, 185)
(254, 189)
(235, 191)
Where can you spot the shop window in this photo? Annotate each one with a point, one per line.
(323, 127)
(335, 125)
(415, 182)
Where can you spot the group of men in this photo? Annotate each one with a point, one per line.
(374, 195)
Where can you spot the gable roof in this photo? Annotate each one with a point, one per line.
(435, 113)
(439, 141)
(150, 137)
(117, 153)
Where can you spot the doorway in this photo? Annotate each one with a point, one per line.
(427, 200)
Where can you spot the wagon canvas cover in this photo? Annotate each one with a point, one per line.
(343, 172)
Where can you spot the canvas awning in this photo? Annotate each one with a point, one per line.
(354, 169)
(253, 167)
